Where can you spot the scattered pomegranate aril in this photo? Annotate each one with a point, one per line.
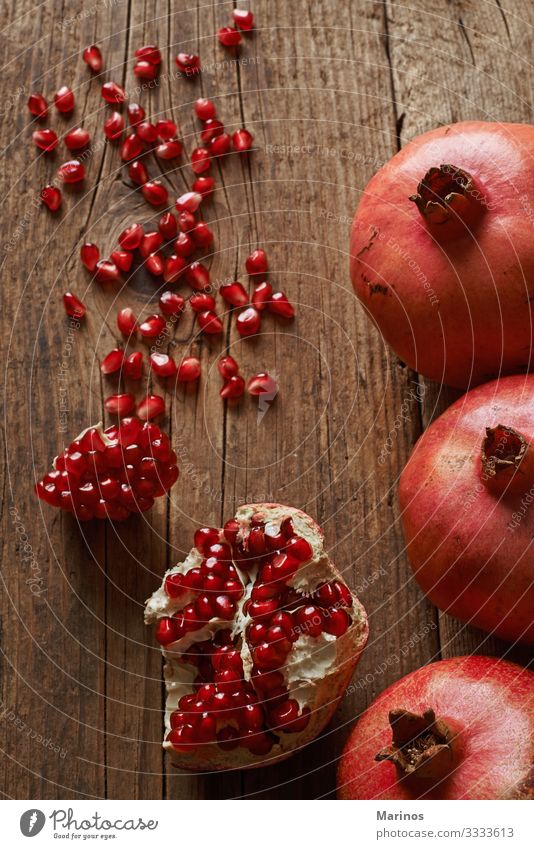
(188, 64)
(162, 364)
(171, 304)
(38, 105)
(131, 237)
(261, 384)
(186, 221)
(257, 262)
(189, 369)
(204, 186)
(243, 19)
(248, 322)
(127, 321)
(133, 366)
(229, 36)
(204, 108)
(136, 114)
(112, 362)
(174, 267)
(155, 193)
(198, 276)
(227, 367)
(234, 294)
(262, 294)
(150, 407)
(120, 405)
(167, 226)
(200, 160)
(188, 202)
(202, 302)
(114, 126)
(147, 132)
(122, 259)
(210, 323)
(220, 145)
(149, 53)
(71, 171)
(166, 129)
(151, 242)
(46, 140)
(202, 234)
(144, 70)
(131, 148)
(233, 387)
(242, 140)
(93, 58)
(279, 305)
(73, 306)
(113, 93)
(107, 272)
(51, 197)
(77, 139)
(89, 255)
(171, 149)
(211, 129)
(336, 622)
(184, 245)
(64, 100)
(155, 265)
(138, 173)
(152, 326)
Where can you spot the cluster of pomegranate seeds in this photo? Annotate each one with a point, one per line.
(216, 142)
(147, 62)
(113, 473)
(234, 385)
(230, 36)
(245, 571)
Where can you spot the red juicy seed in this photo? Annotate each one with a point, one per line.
(51, 197)
(261, 592)
(277, 637)
(202, 234)
(184, 245)
(136, 114)
(150, 243)
(224, 607)
(188, 64)
(152, 326)
(174, 268)
(155, 193)
(112, 362)
(206, 728)
(335, 622)
(257, 263)
(129, 431)
(167, 226)
(169, 150)
(256, 541)
(189, 369)
(71, 172)
(166, 130)
(283, 714)
(113, 93)
(300, 548)
(198, 276)
(233, 387)
(147, 132)
(242, 140)
(203, 608)
(92, 441)
(229, 36)
(89, 255)
(263, 610)
(231, 529)
(193, 580)
(234, 294)
(265, 657)
(126, 321)
(122, 259)
(166, 631)
(113, 126)
(150, 407)
(228, 738)
(204, 186)
(38, 105)
(284, 620)
(46, 140)
(73, 306)
(251, 718)
(186, 221)
(261, 384)
(77, 139)
(220, 145)
(155, 265)
(202, 302)
(131, 148)
(279, 305)
(257, 633)
(210, 323)
(211, 129)
(243, 19)
(120, 405)
(262, 294)
(133, 366)
(200, 160)
(188, 202)
(144, 70)
(149, 53)
(248, 322)
(131, 238)
(162, 365)
(310, 620)
(106, 272)
(64, 100)
(93, 57)
(344, 594)
(205, 537)
(204, 108)
(228, 367)
(138, 173)
(171, 304)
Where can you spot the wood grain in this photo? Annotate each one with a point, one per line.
(330, 91)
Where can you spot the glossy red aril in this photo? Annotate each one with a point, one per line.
(229, 36)
(220, 145)
(166, 129)
(186, 221)
(261, 384)
(127, 321)
(204, 108)
(144, 70)
(168, 226)
(107, 272)
(162, 364)
(171, 304)
(38, 105)
(242, 140)
(93, 58)
(174, 268)
(202, 302)
(184, 245)
(257, 262)
(198, 276)
(122, 259)
(147, 132)
(46, 140)
(210, 323)
(279, 305)
(114, 126)
(189, 369)
(203, 186)
(188, 64)
(64, 100)
(149, 53)
(188, 202)
(155, 193)
(113, 93)
(120, 405)
(211, 129)
(169, 150)
(73, 306)
(152, 326)
(131, 148)
(200, 160)
(150, 407)
(151, 242)
(243, 19)
(262, 294)
(138, 173)
(77, 139)
(248, 322)
(154, 264)
(131, 237)
(89, 255)
(71, 172)
(51, 197)
(136, 114)
(227, 367)
(202, 235)
(233, 387)
(112, 362)
(234, 294)
(133, 366)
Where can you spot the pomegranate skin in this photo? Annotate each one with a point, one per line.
(489, 703)
(454, 302)
(469, 552)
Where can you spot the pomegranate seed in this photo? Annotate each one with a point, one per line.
(174, 268)
(147, 132)
(38, 105)
(282, 714)
(242, 140)
(300, 548)
(144, 70)
(220, 145)
(77, 139)
(234, 294)
(243, 19)
(162, 364)
(112, 362)
(89, 255)
(64, 100)
(202, 302)
(204, 108)
(344, 595)
(166, 130)
(136, 114)
(169, 150)
(45, 139)
(93, 57)
(262, 294)
(204, 186)
(138, 173)
(209, 322)
(73, 306)
(131, 148)
(202, 234)
(262, 383)
(171, 304)
(188, 64)
(113, 126)
(211, 129)
(155, 193)
(248, 322)
(229, 36)
(150, 407)
(133, 365)
(186, 221)
(166, 632)
(227, 367)
(189, 202)
(257, 263)
(279, 305)
(120, 405)
(113, 93)
(106, 272)
(189, 369)
(122, 259)
(126, 321)
(155, 265)
(71, 171)
(149, 53)
(233, 387)
(51, 197)
(310, 620)
(167, 226)
(131, 237)
(152, 326)
(151, 243)
(335, 622)
(184, 245)
(198, 276)
(200, 160)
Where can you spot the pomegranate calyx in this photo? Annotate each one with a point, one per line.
(507, 460)
(444, 193)
(422, 745)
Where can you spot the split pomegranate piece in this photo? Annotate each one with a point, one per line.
(120, 405)
(151, 242)
(233, 387)
(243, 19)
(242, 140)
(204, 108)
(234, 294)
(262, 384)
(89, 255)
(155, 193)
(257, 262)
(279, 305)
(71, 171)
(113, 126)
(112, 362)
(64, 100)
(73, 306)
(189, 369)
(149, 53)
(46, 140)
(51, 197)
(38, 105)
(188, 64)
(127, 321)
(133, 366)
(229, 36)
(77, 139)
(184, 245)
(150, 407)
(113, 93)
(111, 473)
(171, 304)
(248, 322)
(253, 669)
(155, 264)
(93, 57)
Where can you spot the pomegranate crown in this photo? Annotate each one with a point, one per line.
(421, 745)
(444, 193)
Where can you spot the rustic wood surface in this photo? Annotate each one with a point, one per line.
(330, 89)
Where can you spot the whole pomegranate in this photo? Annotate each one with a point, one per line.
(456, 729)
(467, 502)
(442, 254)
(260, 637)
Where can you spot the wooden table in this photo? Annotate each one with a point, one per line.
(330, 90)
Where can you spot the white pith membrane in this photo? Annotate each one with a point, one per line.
(315, 672)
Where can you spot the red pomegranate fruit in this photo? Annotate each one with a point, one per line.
(461, 728)
(441, 252)
(465, 498)
(260, 638)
